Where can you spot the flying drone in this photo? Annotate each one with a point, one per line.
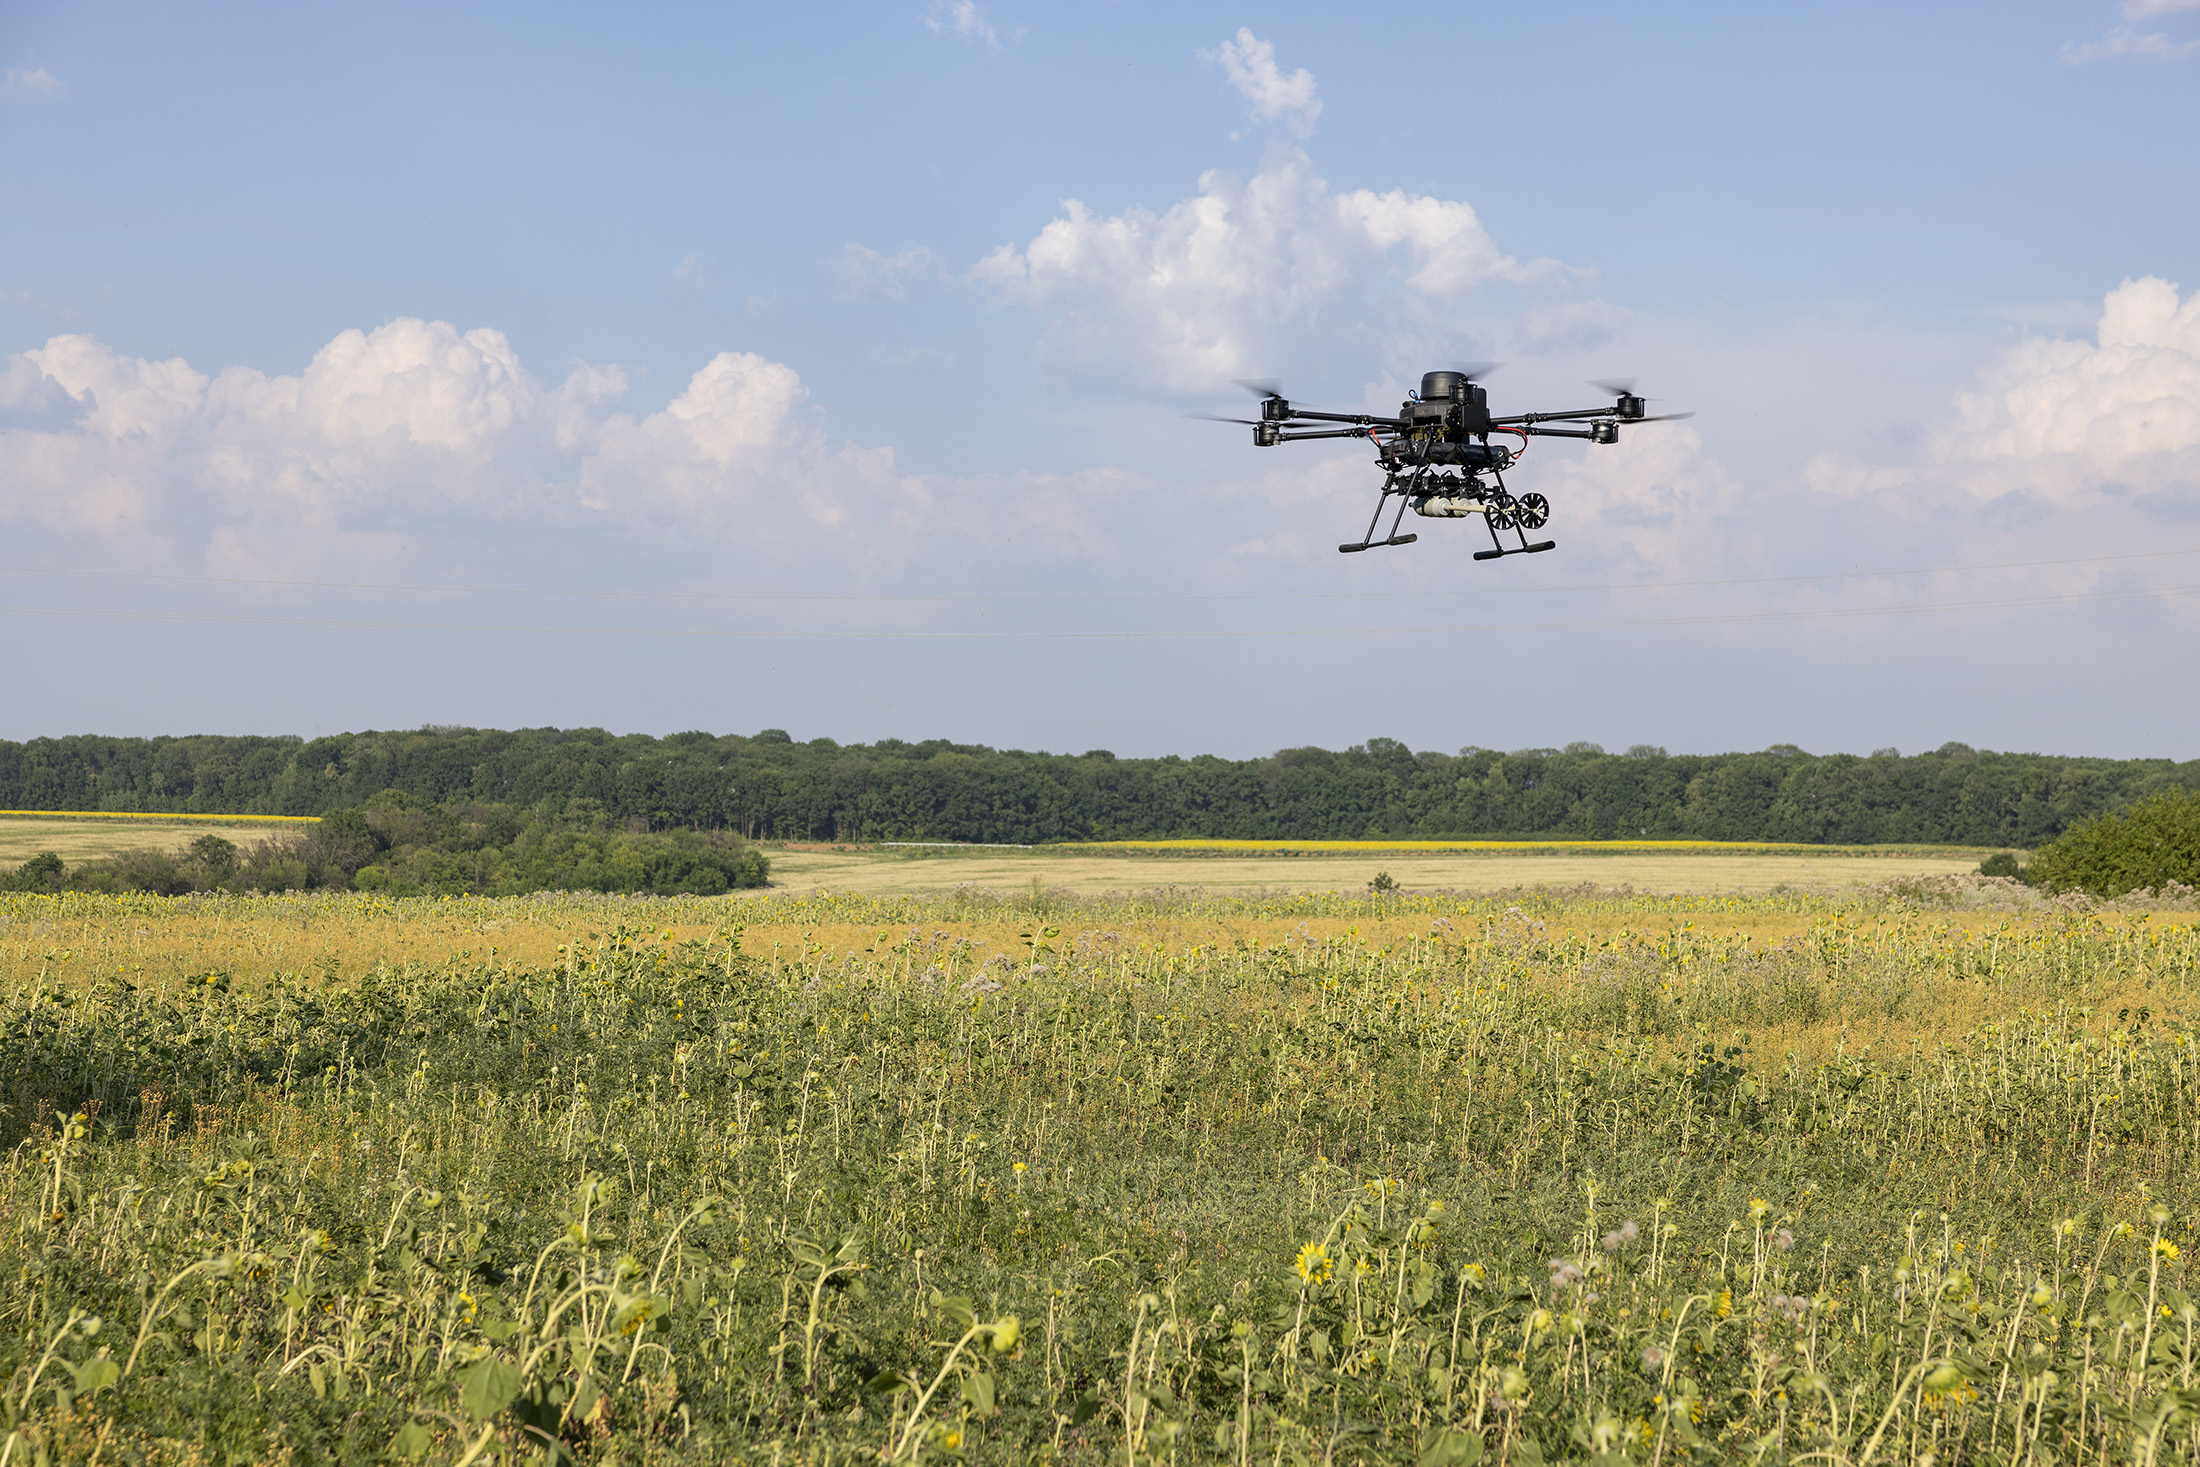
(1436, 455)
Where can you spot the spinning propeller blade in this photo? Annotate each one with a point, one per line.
(1616, 386)
(1665, 418)
(1218, 418)
(1475, 371)
(1260, 386)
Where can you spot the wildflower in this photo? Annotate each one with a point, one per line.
(1653, 1360)
(1620, 1236)
(1313, 1265)
(1758, 1207)
(1564, 1273)
(1726, 1303)
(1005, 1334)
(2166, 1249)
(1783, 1240)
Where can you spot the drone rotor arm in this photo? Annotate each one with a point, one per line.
(1570, 416)
(1363, 420)
(1324, 433)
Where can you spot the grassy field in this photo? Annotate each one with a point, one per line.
(87, 837)
(1652, 866)
(1166, 1179)
(1215, 866)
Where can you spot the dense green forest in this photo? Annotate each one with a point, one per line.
(767, 786)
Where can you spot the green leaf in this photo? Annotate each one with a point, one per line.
(1444, 1446)
(96, 1374)
(977, 1392)
(1086, 1407)
(955, 1307)
(886, 1382)
(413, 1440)
(487, 1386)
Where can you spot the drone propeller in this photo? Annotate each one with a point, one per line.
(1260, 386)
(1663, 418)
(1475, 371)
(1218, 418)
(1616, 386)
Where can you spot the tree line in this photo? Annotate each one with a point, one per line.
(769, 786)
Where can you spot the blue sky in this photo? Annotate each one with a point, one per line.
(657, 336)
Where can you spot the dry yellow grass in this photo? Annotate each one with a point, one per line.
(89, 836)
(931, 869)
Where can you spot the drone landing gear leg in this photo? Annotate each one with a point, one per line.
(1368, 540)
(1498, 550)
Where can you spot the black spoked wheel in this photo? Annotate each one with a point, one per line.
(1531, 512)
(1502, 509)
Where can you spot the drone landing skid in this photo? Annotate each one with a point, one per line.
(1372, 544)
(1522, 549)
(1499, 549)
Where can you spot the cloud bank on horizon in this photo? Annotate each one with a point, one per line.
(417, 424)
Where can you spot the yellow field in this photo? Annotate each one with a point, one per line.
(88, 835)
(1365, 847)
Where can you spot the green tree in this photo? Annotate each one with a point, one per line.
(2150, 844)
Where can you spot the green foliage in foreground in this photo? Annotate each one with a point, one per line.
(1483, 1197)
(2153, 844)
(398, 846)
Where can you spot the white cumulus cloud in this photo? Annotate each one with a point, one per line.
(2073, 420)
(418, 426)
(30, 84)
(962, 18)
(1250, 64)
(1251, 274)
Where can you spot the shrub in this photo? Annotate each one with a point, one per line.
(2150, 844)
(42, 872)
(398, 846)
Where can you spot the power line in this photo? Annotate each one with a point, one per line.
(795, 596)
(746, 633)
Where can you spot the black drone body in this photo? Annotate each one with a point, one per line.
(1437, 457)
